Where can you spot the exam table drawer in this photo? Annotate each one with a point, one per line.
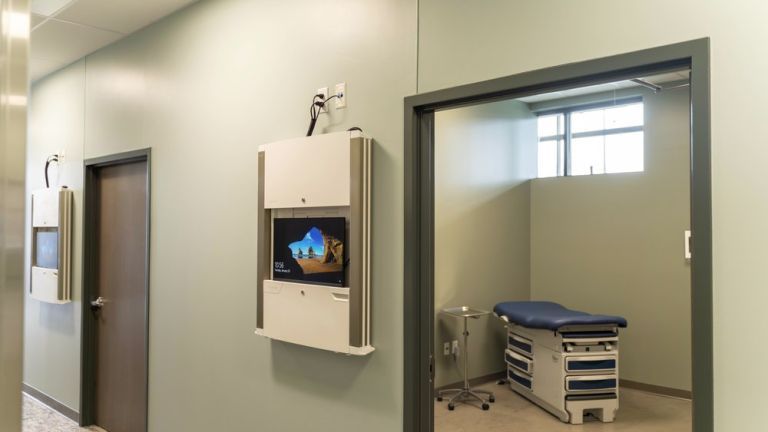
(582, 364)
(518, 361)
(591, 383)
(520, 344)
(521, 378)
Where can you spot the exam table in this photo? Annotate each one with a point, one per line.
(563, 360)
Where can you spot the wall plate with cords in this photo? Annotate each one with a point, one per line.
(341, 95)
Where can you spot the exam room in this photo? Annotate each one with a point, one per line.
(580, 198)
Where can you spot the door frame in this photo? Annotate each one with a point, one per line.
(419, 149)
(90, 253)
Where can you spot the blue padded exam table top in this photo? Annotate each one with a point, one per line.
(550, 316)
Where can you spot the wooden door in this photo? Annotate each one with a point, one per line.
(120, 296)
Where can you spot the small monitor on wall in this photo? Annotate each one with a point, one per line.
(309, 250)
(46, 248)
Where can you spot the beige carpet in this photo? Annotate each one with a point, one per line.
(638, 412)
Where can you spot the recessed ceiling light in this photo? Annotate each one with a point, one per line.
(17, 24)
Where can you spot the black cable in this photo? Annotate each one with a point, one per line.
(313, 112)
(320, 105)
(311, 126)
(326, 101)
(315, 109)
(51, 158)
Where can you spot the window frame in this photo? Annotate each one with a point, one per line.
(567, 136)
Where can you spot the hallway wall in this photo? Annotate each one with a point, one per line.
(52, 332)
(204, 110)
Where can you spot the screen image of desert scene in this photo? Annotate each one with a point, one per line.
(318, 252)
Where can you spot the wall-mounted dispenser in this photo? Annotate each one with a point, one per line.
(314, 229)
(51, 245)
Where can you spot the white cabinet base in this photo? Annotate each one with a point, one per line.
(311, 315)
(45, 286)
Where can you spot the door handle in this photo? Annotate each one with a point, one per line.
(97, 304)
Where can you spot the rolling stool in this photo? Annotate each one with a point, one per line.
(466, 393)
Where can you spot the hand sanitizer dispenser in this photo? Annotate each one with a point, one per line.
(51, 245)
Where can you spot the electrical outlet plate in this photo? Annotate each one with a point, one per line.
(341, 95)
(447, 349)
(323, 91)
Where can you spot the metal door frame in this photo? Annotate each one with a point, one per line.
(419, 145)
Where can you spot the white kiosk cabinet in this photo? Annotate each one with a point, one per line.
(323, 176)
(51, 245)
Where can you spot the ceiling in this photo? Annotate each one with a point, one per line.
(64, 31)
(660, 79)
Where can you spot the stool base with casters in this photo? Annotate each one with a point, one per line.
(466, 393)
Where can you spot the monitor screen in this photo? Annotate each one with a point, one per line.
(47, 249)
(309, 250)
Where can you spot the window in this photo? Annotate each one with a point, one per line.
(592, 139)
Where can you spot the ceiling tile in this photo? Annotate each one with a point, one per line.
(35, 20)
(120, 15)
(55, 41)
(48, 7)
(79, 27)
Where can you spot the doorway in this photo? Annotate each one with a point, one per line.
(420, 207)
(116, 292)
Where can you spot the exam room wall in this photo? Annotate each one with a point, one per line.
(496, 38)
(613, 244)
(51, 331)
(484, 157)
(203, 88)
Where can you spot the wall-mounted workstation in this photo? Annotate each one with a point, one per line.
(314, 222)
(51, 214)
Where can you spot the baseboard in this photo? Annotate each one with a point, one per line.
(661, 390)
(51, 403)
(475, 381)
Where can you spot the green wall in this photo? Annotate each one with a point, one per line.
(203, 109)
(462, 42)
(484, 157)
(613, 244)
(52, 332)
(203, 88)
